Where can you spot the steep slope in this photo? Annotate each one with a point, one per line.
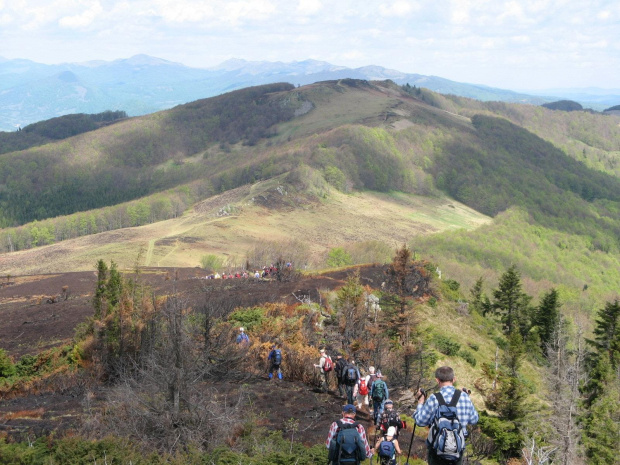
(257, 216)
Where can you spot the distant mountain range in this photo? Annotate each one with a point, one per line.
(31, 92)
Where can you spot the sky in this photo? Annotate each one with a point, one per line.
(518, 44)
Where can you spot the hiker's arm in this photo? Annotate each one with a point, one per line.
(367, 448)
(424, 411)
(397, 446)
(332, 431)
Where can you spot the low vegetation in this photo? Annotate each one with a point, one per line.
(163, 364)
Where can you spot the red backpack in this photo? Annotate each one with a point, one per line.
(363, 387)
(328, 365)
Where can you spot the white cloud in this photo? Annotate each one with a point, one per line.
(604, 15)
(182, 11)
(522, 39)
(84, 18)
(397, 8)
(309, 7)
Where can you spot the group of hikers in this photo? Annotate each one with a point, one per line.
(266, 272)
(447, 412)
(357, 388)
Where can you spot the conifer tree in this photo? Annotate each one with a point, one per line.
(511, 304)
(512, 392)
(606, 340)
(601, 432)
(547, 317)
(102, 278)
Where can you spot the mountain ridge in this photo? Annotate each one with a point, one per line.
(139, 86)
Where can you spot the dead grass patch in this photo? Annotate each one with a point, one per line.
(22, 414)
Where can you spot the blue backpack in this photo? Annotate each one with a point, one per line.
(347, 447)
(350, 375)
(386, 450)
(446, 435)
(277, 357)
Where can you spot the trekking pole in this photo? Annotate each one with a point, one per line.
(416, 390)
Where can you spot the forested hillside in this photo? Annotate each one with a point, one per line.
(356, 134)
(124, 161)
(522, 302)
(55, 129)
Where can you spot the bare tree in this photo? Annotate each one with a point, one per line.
(566, 358)
(165, 397)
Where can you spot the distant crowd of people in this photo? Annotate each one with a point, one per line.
(266, 272)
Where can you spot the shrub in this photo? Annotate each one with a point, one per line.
(211, 262)
(248, 317)
(445, 345)
(335, 177)
(7, 368)
(468, 357)
(26, 366)
(338, 257)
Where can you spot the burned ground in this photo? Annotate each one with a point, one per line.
(30, 325)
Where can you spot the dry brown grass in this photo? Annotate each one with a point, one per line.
(21, 414)
(335, 222)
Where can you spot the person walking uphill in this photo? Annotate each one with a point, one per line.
(390, 418)
(347, 441)
(339, 370)
(379, 394)
(275, 357)
(387, 447)
(325, 365)
(351, 376)
(447, 412)
(242, 337)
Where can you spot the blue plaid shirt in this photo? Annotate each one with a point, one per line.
(465, 410)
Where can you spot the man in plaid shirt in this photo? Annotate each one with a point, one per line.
(425, 412)
(348, 417)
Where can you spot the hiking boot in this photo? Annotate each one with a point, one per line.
(279, 375)
(270, 376)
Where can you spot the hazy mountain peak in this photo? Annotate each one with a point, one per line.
(146, 60)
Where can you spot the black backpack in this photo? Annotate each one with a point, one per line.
(347, 447)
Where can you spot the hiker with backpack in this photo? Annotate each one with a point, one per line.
(379, 394)
(242, 337)
(447, 412)
(365, 385)
(325, 366)
(347, 441)
(339, 365)
(390, 418)
(387, 447)
(275, 359)
(351, 376)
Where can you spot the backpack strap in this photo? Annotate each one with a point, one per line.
(455, 398)
(453, 401)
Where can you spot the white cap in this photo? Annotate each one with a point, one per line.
(391, 431)
(241, 329)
